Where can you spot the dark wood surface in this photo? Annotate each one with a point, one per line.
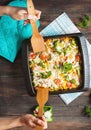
(14, 99)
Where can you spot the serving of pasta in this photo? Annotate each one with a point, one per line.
(59, 66)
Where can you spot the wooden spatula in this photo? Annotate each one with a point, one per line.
(37, 40)
(42, 97)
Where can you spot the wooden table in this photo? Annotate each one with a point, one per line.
(14, 99)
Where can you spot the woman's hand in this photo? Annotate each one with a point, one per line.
(32, 121)
(27, 120)
(19, 13)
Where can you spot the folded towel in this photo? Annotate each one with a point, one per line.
(12, 33)
(64, 25)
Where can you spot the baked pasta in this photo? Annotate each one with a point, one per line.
(59, 67)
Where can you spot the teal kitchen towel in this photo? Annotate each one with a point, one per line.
(13, 32)
(64, 25)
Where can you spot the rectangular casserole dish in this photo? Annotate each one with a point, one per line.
(84, 64)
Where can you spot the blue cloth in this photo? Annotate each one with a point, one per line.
(13, 32)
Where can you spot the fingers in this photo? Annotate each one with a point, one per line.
(32, 17)
(38, 13)
(23, 14)
(45, 122)
(28, 120)
(42, 122)
(36, 16)
(26, 21)
(39, 122)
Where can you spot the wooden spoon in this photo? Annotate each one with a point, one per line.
(42, 97)
(37, 40)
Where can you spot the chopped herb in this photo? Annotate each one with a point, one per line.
(88, 110)
(67, 67)
(42, 64)
(73, 42)
(66, 50)
(45, 75)
(84, 22)
(73, 81)
(57, 46)
(66, 78)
